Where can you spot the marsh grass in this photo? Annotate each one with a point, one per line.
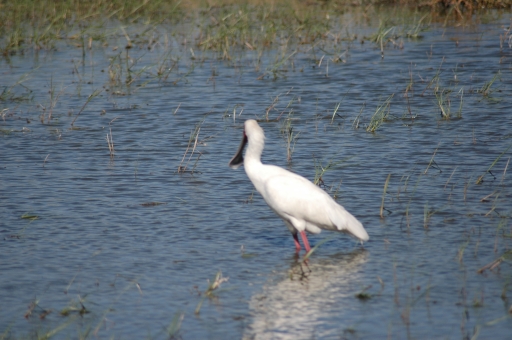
(223, 26)
(320, 170)
(434, 81)
(290, 135)
(173, 331)
(10, 93)
(213, 285)
(444, 103)
(93, 95)
(219, 34)
(486, 89)
(383, 35)
(194, 138)
(427, 214)
(110, 140)
(432, 162)
(313, 249)
(363, 295)
(380, 115)
(480, 179)
(384, 192)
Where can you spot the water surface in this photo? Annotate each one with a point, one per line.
(101, 242)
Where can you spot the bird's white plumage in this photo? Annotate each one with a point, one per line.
(302, 205)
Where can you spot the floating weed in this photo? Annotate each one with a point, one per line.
(28, 216)
(76, 306)
(212, 286)
(364, 295)
(152, 204)
(246, 255)
(380, 115)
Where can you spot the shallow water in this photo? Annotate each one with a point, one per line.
(136, 266)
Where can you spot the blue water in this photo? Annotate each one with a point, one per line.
(100, 242)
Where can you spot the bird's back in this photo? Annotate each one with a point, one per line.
(305, 205)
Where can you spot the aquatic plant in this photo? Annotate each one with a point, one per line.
(209, 292)
(290, 135)
(486, 90)
(93, 95)
(480, 179)
(380, 115)
(384, 192)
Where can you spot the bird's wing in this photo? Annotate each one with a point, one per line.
(291, 195)
(298, 200)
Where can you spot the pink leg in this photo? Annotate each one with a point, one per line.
(305, 241)
(297, 244)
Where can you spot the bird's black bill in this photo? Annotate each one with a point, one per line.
(238, 158)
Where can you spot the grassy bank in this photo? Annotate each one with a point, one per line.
(220, 24)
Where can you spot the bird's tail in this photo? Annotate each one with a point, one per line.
(347, 223)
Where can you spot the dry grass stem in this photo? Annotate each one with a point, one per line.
(384, 196)
(432, 162)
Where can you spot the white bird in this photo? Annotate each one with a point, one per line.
(302, 205)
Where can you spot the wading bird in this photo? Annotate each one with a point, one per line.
(302, 205)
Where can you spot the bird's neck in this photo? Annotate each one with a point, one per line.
(253, 153)
(252, 162)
